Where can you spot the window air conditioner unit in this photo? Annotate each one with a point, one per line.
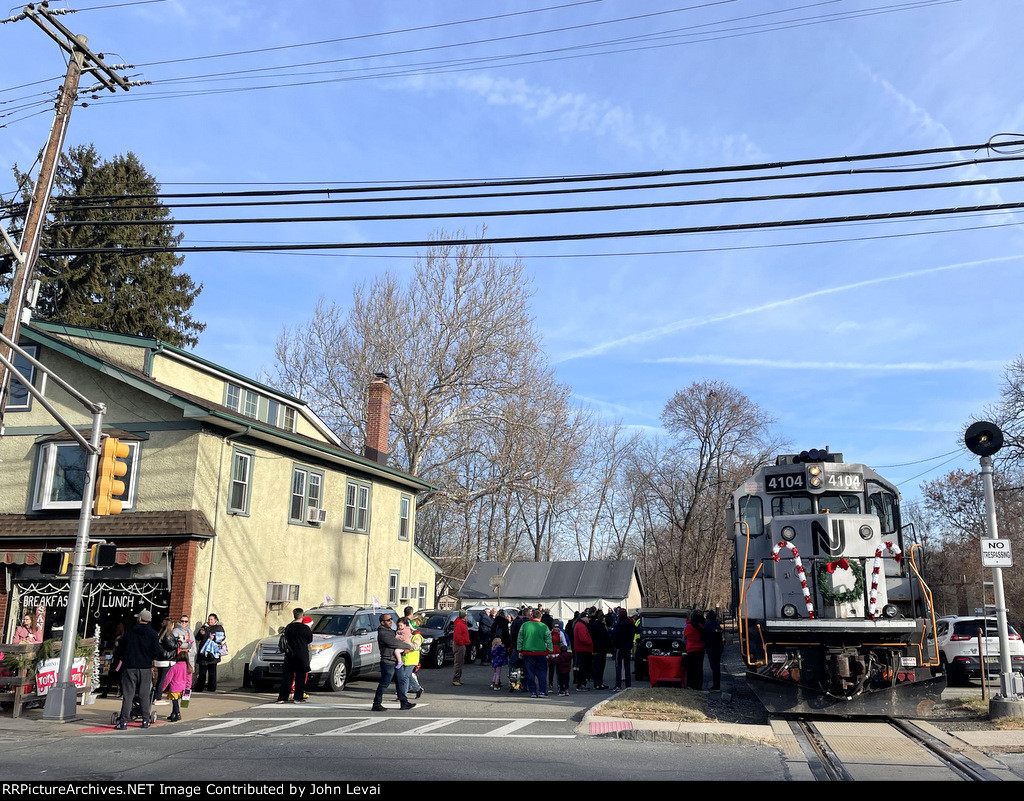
(279, 593)
(316, 516)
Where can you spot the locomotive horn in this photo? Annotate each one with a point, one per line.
(983, 438)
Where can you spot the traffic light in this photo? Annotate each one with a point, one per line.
(55, 563)
(111, 468)
(102, 554)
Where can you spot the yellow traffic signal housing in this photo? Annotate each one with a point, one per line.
(110, 470)
(55, 563)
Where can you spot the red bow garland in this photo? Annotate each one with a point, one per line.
(831, 566)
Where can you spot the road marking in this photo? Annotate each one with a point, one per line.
(509, 727)
(362, 726)
(224, 724)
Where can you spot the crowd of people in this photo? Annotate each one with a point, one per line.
(528, 652)
(147, 663)
(531, 649)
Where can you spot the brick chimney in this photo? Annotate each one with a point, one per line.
(378, 418)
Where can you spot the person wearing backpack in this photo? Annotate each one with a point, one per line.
(295, 642)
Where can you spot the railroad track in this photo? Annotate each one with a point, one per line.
(881, 748)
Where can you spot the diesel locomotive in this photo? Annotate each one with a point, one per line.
(834, 616)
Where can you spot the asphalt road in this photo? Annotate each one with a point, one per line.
(468, 733)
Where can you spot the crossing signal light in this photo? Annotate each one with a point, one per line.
(111, 469)
(102, 555)
(55, 563)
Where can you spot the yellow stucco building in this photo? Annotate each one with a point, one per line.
(240, 501)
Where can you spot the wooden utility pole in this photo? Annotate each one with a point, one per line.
(25, 254)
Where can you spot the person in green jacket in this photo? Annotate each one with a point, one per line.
(534, 645)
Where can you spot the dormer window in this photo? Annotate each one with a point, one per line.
(259, 407)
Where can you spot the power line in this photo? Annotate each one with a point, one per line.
(1012, 140)
(79, 204)
(519, 240)
(456, 215)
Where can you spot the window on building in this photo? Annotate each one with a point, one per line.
(19, 399)
(422, 596)
(404, 513)
(259, 407)
(241, 481)
(357, 507)
(393, 588)
(60, 476)
(233, 397)
(307, 488)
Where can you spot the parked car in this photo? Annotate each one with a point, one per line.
(957, 640)
(344, 645)
(661, 634)
(438, 629)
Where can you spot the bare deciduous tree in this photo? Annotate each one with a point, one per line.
(474, 403)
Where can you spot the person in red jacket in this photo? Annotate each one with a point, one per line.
(583, 645)
(461, 642)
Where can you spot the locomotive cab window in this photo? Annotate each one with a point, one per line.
(844, 503)
(883, 504)
(752, 513)
(792, 505)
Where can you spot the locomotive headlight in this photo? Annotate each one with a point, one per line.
(789, 610)
(788, 533)
(890, 611)
(814, 470)
(866, 533)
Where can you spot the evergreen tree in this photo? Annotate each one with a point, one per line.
(127, 294)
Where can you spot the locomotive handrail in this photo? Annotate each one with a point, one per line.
(742, 622)
(933, 661)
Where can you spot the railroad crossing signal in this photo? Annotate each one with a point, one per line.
(111, 468)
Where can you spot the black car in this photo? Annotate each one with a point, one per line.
(661, 634)
(438, 629)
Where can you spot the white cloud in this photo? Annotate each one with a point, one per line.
(897, 367)
(696, 322)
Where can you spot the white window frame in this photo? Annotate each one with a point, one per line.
(404, 517)
(311, 493)
(46, 473)
(358, 496)
(248, 457)
(393, 584)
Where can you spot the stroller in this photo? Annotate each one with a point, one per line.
(135, 714)
(515, 680)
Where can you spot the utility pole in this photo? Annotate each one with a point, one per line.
(82, 59)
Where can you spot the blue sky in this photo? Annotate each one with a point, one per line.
(880, 340)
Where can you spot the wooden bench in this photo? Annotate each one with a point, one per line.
(21, 683)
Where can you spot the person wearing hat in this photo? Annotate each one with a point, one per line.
(583, 645)
(141, 648)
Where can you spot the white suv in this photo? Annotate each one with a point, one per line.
(957, 640)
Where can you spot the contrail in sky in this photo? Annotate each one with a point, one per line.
(697, 322)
